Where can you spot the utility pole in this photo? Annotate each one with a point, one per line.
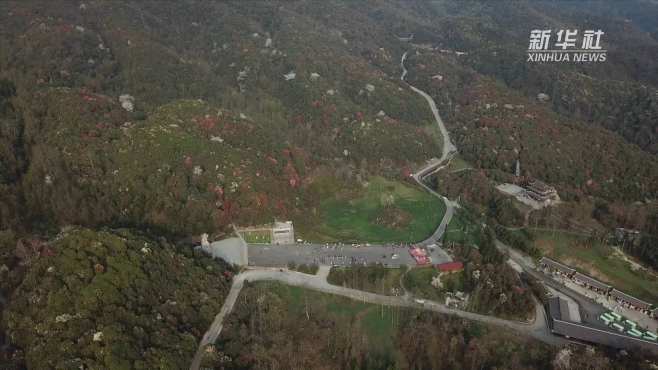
(308, 317)
(383, 302)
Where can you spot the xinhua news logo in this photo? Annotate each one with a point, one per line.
(567, 46)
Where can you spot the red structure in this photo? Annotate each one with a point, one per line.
(450, 266)
(419, 255)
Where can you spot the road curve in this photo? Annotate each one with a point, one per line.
(538, 329)
(448, 149)
(448, 146)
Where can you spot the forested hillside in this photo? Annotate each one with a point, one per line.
(75, 149)
(111, 300)
(295, 328)
(298, 96)
(127, 126)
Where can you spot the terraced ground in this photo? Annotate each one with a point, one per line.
(599, 261)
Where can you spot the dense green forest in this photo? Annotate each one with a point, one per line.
(111, 300)
(129, 126)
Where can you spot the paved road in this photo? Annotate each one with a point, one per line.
(216, 327)
(448, 146)
(448, 149)
(589, 310)
(536, 329)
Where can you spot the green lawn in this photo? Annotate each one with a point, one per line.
(256, 237)
(355, 218)
(597, 261)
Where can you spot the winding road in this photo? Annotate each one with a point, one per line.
(537, 329)
(448, 149)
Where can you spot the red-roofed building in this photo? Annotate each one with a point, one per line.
(450, 266)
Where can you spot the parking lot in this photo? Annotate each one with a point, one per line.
(336, 255)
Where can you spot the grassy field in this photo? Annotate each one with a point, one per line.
(380, 325)
(463, 229)
(384, 211)
(598, 261)
(257, 236)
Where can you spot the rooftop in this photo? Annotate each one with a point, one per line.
(450, 266)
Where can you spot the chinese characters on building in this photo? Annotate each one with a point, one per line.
(566, 45)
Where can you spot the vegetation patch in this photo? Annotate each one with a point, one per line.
(463, 229)
(257, 236)
(457, 163)
(293, 328)
(383, 211)
(114, 300)
(304, 268)
(393, 218)
(597, 260)
(375, 278)
(418, 282)
(321, 328)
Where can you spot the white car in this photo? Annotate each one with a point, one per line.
(420, 301)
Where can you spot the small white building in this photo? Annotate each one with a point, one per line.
(283, 233)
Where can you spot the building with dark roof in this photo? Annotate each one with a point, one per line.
(638, 303)
(540, 191)
(556, 266)
(559, 308)
(560, 324)
(591, 282)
